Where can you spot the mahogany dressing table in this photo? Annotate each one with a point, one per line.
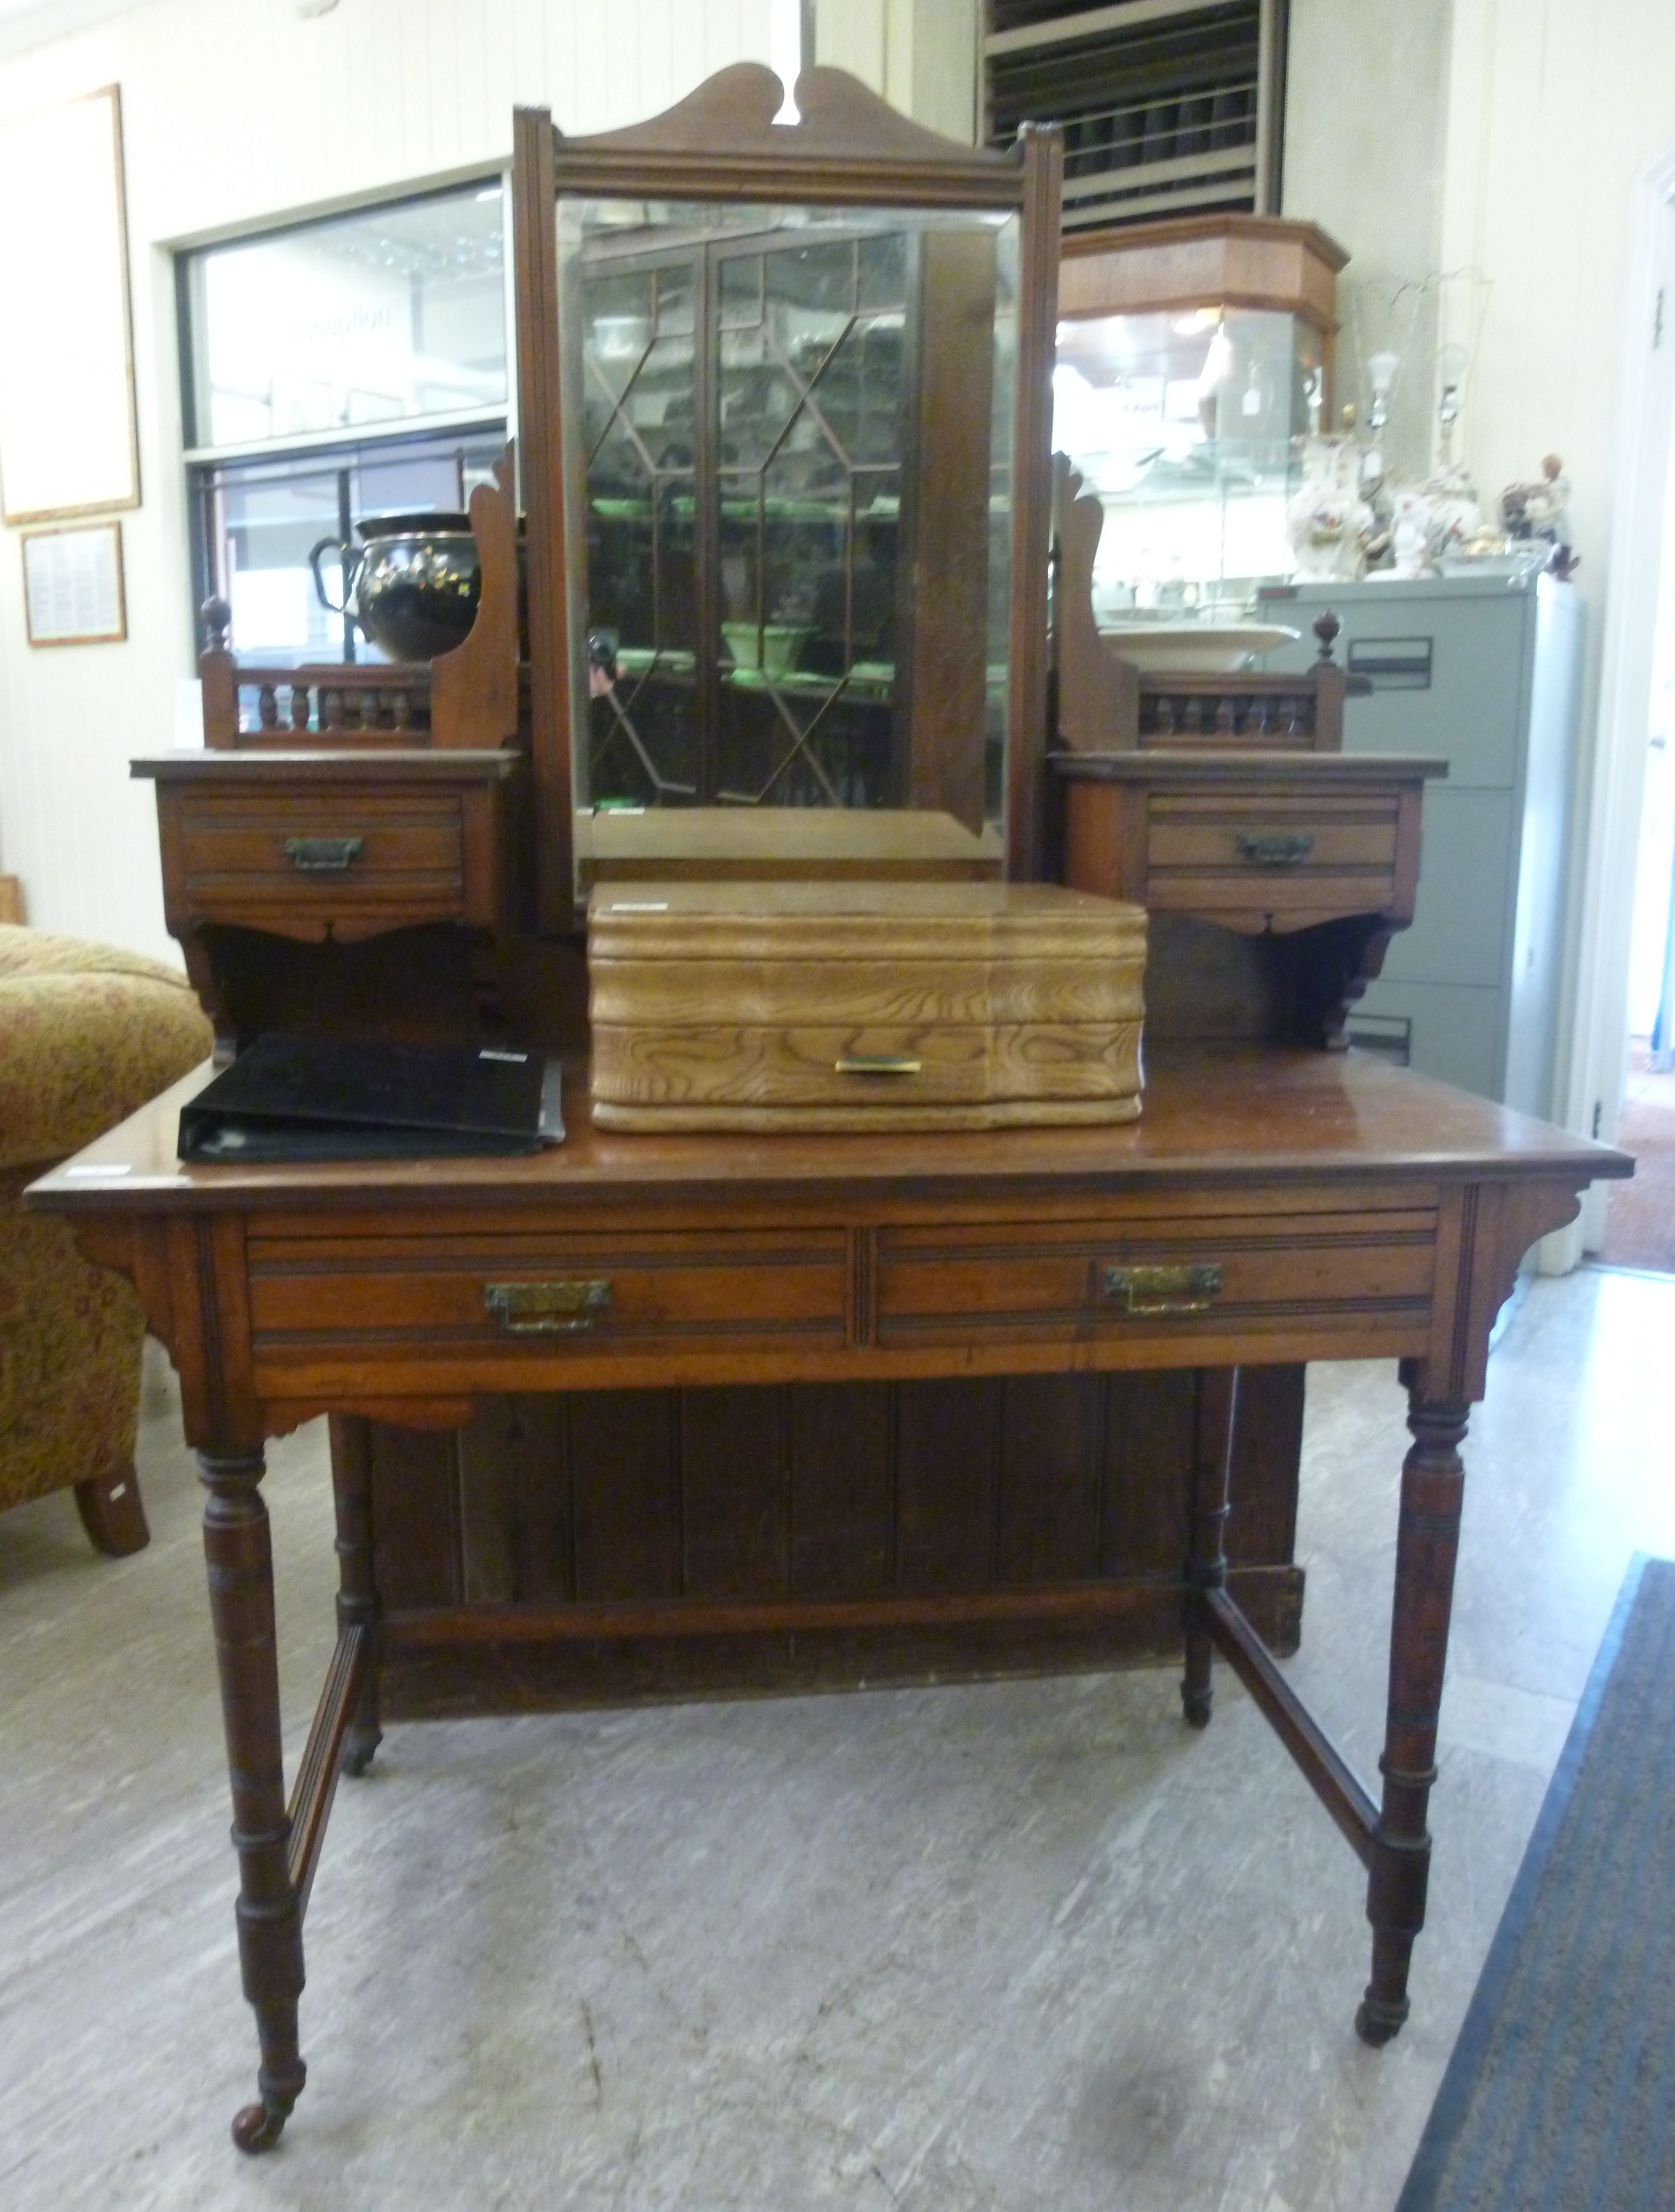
(655, 1415)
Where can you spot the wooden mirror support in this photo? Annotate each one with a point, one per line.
(473, 689)
(722, 144)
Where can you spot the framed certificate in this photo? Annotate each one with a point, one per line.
(72, 585)
(67, 441)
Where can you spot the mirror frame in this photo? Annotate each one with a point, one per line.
(848, 148)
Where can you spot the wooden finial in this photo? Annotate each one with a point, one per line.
(1327, 627)
(218, 676)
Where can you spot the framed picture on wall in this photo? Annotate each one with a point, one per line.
(68, 437)
(72, 585)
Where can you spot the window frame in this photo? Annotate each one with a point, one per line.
(200, 461)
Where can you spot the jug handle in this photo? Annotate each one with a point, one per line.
(352, 556)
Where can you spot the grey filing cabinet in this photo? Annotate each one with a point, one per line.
(1484, 671)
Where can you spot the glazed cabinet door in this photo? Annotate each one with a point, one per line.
(796, 514)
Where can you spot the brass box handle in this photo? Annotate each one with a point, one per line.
(1284, 850)
(1183, 1290)
(323, 856)
(877, 1063)
(546, 1309)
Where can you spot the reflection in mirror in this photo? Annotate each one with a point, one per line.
(789, 527)
(1189, 427)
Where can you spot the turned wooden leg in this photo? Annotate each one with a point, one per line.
(357, 1589)
(1206, 1562)
(1427, 1542)
(239, 1558)
(112, 1512)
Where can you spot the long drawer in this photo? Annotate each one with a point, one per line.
(1243, 1271)
(394, 1298)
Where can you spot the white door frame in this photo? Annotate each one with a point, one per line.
(1591, 1075)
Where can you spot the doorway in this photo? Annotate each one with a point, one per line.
(1640, 1216)
(1602, 1092)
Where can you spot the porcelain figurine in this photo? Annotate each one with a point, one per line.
(1539, 510)
(1410, 534)
(1456, 517)
(1327, 521)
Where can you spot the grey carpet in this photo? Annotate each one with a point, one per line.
(1560, 2096)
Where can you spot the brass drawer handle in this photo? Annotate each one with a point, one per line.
(877, 1063)
(1281, 851)
(1187, 1290)
(546, 1309)
(323, 856)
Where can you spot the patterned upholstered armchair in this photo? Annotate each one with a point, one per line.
(86, 1034)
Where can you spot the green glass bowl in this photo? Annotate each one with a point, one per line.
(773, 647)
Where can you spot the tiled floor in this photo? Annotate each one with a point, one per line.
(1030, 1945)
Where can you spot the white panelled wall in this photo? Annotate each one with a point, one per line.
(921, 54)
(1557, 109)
(1541, 117)
(237, 112)
(1365, 76)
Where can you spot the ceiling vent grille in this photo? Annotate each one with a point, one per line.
(1168, 106)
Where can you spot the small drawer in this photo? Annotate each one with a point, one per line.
(391, 1299)
(376, 853)
(1082, 1280)
(1236, 851)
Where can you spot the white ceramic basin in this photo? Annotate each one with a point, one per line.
(1193, 648)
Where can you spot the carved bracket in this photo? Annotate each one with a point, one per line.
(1498, 1222)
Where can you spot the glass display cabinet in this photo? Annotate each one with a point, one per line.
(1193, 358)
(783, 418)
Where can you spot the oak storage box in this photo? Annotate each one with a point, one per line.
(862, 1006)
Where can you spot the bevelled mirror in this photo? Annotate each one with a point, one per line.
(784, 397)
